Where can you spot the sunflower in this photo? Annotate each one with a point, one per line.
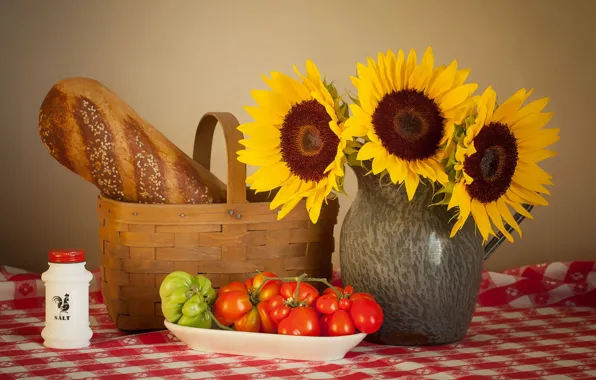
(496, 162)
(295, 141)
(406, 115)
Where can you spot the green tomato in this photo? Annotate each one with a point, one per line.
(195, 313)
(177, 289)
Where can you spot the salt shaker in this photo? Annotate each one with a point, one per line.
(67, 300)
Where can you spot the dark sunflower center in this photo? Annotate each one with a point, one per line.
(409, 124)
(311, 140)
(493, 165)
(308, 145)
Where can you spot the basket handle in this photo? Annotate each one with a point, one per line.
(204, 142)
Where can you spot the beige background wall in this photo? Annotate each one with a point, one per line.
(173, 61)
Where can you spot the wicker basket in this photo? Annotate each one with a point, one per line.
(140, 243)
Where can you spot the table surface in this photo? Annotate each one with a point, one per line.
(530, 322)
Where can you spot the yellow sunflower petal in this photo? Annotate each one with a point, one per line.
(490, 103)
(443, 82)
(379, 162)
(262, 116)
(529, 183)
(457, 96)
(398, 74)
(261, 130)
(423, 169)
(532, 170)
(460, 77)
(284, 84)
(493, 211)
(509, 106)
(528, 196)
(464, 202)
(272, 101)
(285, 192)
(356, 82)
(542, 139)
(358, 124)
(459, 191)
(534, 107)
(358, 112)
(506, 214)
(328, 106)
(366, 98)
(268, 178)
(368, 151)
(396, 169)
(258, 158)
(481, 218)
(519, 208)
(423, 73)
(310, 86)
(354, 129)
(288, 206)
(373, 88)
(531, 124)
(409, 69)
(373, 136)
(539, 155)
(260, 143)
(412, 181)
(385, 81)
(377, 77)
(313, 74)
(315, 211)
(485, 108)
(439, 171)
(390, 70)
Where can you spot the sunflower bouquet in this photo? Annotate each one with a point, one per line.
(410, 121)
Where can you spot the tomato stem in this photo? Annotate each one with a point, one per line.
(302, 278)
(217, 322)
(298, 281)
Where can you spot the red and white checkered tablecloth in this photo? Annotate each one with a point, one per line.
(531, 322)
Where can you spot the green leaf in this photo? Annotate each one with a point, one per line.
(354, 100)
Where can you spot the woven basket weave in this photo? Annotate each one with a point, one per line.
(140, 243)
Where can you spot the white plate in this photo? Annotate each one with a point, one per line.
(312, 348)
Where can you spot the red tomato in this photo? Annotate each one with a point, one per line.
(345, 303)
(348, 290)
(300, 321)
(268, 290)
(231, 306)
(235, 286)
(362, 295)
(308, 294)
(340, 323)
(324, 322)
(367, 315)
(330, 291)
(327, 304)
(249, 322)
(277, 308)
(267, 324)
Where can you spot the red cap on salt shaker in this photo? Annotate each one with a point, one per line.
(67, 256)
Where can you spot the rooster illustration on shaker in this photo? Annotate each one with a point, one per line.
(63, 305)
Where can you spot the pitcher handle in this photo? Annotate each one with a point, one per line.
(495, 242)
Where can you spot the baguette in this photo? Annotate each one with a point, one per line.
(91, 131)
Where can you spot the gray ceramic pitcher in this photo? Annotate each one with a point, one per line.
(426, 282)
